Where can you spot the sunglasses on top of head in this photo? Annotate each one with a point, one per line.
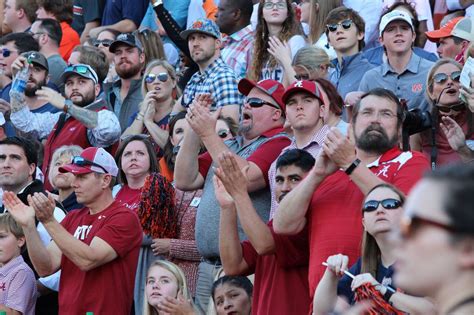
(80, 161)
(346, 24)
(151, 77)
(256, 103)
(388, 204)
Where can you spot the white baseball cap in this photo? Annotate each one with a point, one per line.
(395, 15)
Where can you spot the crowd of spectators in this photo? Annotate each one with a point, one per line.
(236, 157)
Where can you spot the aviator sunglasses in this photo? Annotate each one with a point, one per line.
(346, 24)
(440, 78)
(388, 204)
(151, 77)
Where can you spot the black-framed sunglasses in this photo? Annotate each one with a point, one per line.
(389, 204)
(440, 78)
(409, 226)
(446, 109)
(346, 24)
(255, 102)
(223, 133)
(7, 52)
(80, 161)
(104, 42)
(151, 77)
(302, 77)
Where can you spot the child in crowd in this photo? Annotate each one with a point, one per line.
(232, 294)
(17, 280)
(166, 290)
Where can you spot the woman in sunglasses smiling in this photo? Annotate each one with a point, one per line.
(453, 129)
(381, 214)
(160, 91)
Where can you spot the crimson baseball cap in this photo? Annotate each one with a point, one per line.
(303, 86)
(445, 31)
(92, 159)
(272, 88)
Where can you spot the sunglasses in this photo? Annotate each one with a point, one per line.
(388, 204)
(302, 77)
(223, 133)
(151, 77)
(271, 5)
(80, 161)
(447, 109)
(346, 24)
(409, 225)
(7, 52)
(256, 103)
(440, 78)
(104, 42)
(82, 69)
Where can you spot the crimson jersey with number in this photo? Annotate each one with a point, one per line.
(107, 289)
(335, 216)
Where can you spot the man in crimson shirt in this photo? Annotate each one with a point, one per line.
(95, 247)
(329, 198)
(279, 262)
(261, 141)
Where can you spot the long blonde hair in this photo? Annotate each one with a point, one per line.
(318, 12)
(177, 273)
(260, 55)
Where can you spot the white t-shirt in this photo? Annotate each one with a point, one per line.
(296, 42)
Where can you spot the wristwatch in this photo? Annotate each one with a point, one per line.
(67, 105)
(156, 3)
(352, 167)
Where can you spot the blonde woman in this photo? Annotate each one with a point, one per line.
(166, 290)
(159, 88)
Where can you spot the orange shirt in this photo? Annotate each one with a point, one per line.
(70, 40)
(211, 9)
(165, 171)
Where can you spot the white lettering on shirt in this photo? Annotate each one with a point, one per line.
(82, 232)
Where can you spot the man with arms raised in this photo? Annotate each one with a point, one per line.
(96, 247)
(280, 262)
(329, 198)
(259, 144)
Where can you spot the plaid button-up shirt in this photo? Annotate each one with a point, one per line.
(219, 81)
(237, 51)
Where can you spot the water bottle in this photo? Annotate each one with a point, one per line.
(17, 90)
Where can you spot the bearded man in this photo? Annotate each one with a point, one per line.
(85, 121)
(125, 95)
(330, 197)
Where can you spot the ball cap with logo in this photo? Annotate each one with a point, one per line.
(272, 88)
(394, 15)
(36, 58)
(82, 70)
(92, 159)
(310, 87)
(128, 39)
(204, 26)
(462, 27)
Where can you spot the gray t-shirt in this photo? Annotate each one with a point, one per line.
(56, 67)
(208, 213)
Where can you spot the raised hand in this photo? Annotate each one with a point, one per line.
(280, 50)
(230, 174)
(337, 264)
(51, 96)
(200, 117)
(223, 198)
(176, 306)
(161, 246)
(339, 148)
(23, 214)
(453, 133)
(43, 206)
